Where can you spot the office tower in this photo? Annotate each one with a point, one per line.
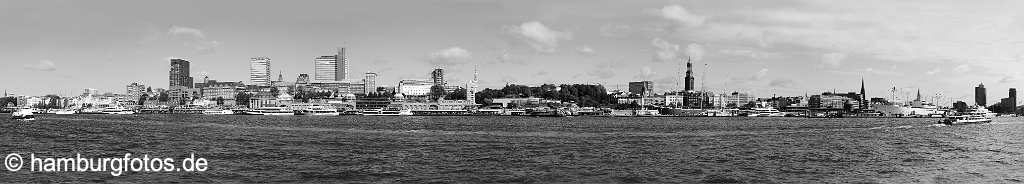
(1012, 100)
(979, 95)
(179, 74)
(437, 77)
(331, 68)
(688, 81)
(642, 88)
(370, 83)
(135, 90)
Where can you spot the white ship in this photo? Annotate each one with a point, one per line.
(217, 112)
(275, 111)
(766, 112)
(24, 115)
(388, 112)
(117, 110)
(319, 111)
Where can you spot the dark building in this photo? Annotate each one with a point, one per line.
(688, 81)
(863, 97)
(642, 88)
(437, 77)
(179, 74)
(979, 95)
(960, 106)
(1011, 101)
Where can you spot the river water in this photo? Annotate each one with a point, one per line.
(360, 149)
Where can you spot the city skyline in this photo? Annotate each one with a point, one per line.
(790, 49)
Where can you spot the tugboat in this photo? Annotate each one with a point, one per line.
(23, 114)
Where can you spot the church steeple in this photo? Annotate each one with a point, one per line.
(863, 96)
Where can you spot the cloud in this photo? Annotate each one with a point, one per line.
(680, 15)
(194, 38)
(450, 56)
(667, 52)
(833, 60)
(962, 68)
(42, 65)
(753, 54)
(586, 50)
(1009, 78)
(695, 51)
(178, 30)
(646, 73)
(934, 71)
(539, 36)
(782, 83)
(760, 74)
(603, 71)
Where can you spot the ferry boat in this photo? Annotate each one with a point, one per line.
(319, 111)
(23, 114)
(218, 112)
(766, 112)
(975, 116)
(388, 112)
(276, 111)
(117, 110)
(63, 111)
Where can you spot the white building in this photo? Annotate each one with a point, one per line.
(259, 71)
(331, 68)
(412, 87)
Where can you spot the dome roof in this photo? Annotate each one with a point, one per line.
(399, 95)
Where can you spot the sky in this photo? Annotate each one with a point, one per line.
(780, 47)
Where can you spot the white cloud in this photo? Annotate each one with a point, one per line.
(934, 71)
(833, 59)
(195, 38)
(760, 74)
(782, 83)
(667, 52)
(682, 16)
(450, 56)
(695, 51)
(179, 30)
(539, 36)
(962, 68)
(586, 50)
(1009, 78)
(42, 65)
(646, 73)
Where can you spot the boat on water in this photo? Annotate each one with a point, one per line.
(63, 111)
(117, 110)
(319, 111)
(766, 112)
(218, 112)
(271, 111)
(975, 116)
(388, 112)
(23, 114)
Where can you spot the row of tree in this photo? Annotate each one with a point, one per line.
(582, 94)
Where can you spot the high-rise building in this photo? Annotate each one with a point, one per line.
(642, 88)
(135, 90)
(259, 71)
(688, 81)
(331, 68)
(370, 82)
(1012, 100)
(979, 95)
(437, 77)
(471, 90)
(179, 74)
